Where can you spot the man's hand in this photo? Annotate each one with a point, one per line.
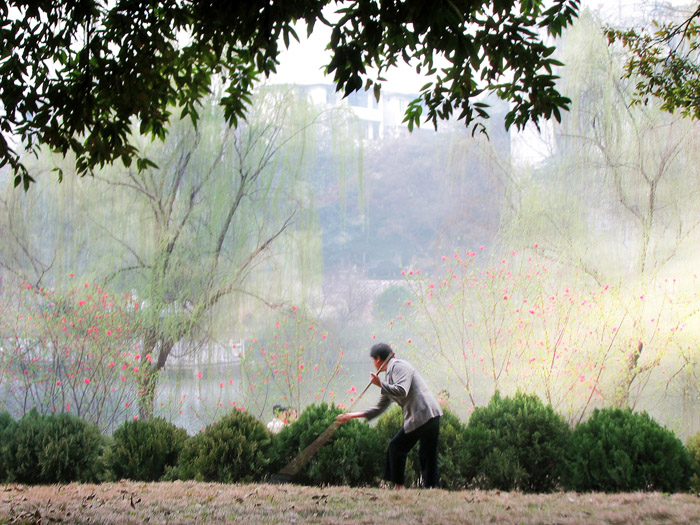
(344, 418)
(375, 379)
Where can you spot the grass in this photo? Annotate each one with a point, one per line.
(190, 502)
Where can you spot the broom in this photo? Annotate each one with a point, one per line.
(292, 469)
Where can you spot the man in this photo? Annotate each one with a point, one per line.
(421, 416)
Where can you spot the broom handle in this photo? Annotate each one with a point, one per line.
(379, 370)
(294, 466)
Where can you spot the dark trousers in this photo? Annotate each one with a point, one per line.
(402, 443)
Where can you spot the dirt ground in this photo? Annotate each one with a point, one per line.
(192, 502)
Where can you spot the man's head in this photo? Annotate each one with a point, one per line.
(277, 410)
(379, 353)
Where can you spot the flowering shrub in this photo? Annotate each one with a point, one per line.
(234, 449)
(531, 323)
(75, 352)
(55, 448)
(295, 365)
(143, 450)
(619, 451)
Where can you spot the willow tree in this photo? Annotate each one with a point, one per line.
(227, 209)
(208, 219)
(616, 199)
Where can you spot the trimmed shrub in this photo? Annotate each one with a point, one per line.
(455, 455)
(693, 448)
(351, 457)
(142, 450)
(453, 452)
(7, 426)
(515, 444)
(388, 424)
(232, 450)
(56, 448)
(619, 450)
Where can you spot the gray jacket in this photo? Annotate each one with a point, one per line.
(405, 385)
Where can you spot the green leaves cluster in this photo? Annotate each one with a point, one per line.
(353, 457)
(663, 61)
(517, 444)
(143, 450)
(234, 449)
(619, 450)
(466, 48)
(56, 448)
(75, 76)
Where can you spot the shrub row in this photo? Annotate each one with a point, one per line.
(513, 443)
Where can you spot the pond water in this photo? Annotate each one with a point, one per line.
(193, 397)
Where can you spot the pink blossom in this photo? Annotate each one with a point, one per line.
(86, 380)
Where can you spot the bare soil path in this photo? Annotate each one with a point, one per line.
(192, 502)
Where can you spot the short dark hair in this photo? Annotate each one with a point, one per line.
(277, 409)
(380, 350)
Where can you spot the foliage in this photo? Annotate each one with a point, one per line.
(7, 429)
(620, 451)
(388, 424)
(56, 448)
(517, 444)
(144, 450)
(232, 450)
(663, 62)
(71, 351)
(455, 454)
(352, 457)
(453, 451)
(693, 448)
(94, 69)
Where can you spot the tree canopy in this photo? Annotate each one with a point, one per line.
(75, 76)
(664, 62)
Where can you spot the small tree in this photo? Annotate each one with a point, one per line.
(74, 352)
(298, 365)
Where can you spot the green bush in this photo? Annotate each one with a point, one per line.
(351, 457)
(693, 448)
(232, 450)
(453, 452)
(619, 450)
(7, 426)
(515, 444)
(142, 450)
(388, 424)
(56, 448)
